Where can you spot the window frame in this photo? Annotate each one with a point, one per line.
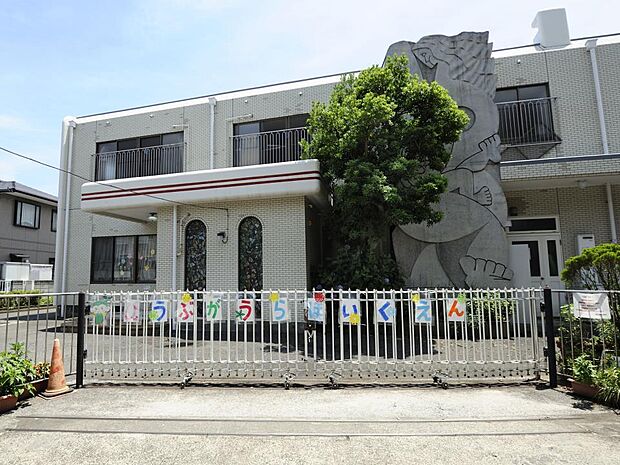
(134, 278)
(19, 209)
(518, 88)
(241, 258)
(54, 215)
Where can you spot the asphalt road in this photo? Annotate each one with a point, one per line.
(164, 424)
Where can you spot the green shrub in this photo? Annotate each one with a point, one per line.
(608, 382)
(16, 371)
(584, 369)
(14, 300)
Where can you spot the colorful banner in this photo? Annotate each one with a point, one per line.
(101, 309)
(593, 306)
(159, 311)
(245, 310)
(131, 311)
(423, 311)
(186, 308)
(316, 307)
(350, 311)
(456, 309)
(279, 310)
(213, 310)
(386, 310)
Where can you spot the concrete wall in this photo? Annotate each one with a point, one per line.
(38, 243)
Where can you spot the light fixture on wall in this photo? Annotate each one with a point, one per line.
(152, 217)
(223, 236)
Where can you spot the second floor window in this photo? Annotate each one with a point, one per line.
(27, 215)
(139, 156)
(272, 140)
(525, 115)
(54, 220)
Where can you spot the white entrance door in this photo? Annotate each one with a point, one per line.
(545, 260)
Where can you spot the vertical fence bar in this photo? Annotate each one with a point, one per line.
(79, 373)
(549, 330)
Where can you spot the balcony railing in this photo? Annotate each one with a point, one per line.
(144, 161)
(268, 147)
(527, 122)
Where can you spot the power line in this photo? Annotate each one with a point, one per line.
(123, 189)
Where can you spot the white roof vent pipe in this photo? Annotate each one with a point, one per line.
(552, 28)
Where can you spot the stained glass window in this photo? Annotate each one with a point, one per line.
(195, 256)
(147, 258)
(250, 254)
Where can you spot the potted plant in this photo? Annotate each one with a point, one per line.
(607, 381)
(42, 373)
(16, 372)
(584, 372)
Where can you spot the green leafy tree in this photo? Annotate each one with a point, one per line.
(382, 141)
(595, 268)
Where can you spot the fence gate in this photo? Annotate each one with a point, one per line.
(358, 335)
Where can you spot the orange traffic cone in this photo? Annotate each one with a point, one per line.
(56, 384)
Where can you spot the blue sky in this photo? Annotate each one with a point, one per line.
(64, 58)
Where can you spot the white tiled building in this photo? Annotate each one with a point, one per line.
(205, 165)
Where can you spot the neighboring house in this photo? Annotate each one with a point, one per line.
(209, 193)
(28, 229)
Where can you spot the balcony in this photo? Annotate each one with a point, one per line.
(527, 122)
(268, 147)
(139, 162)
(136, 198)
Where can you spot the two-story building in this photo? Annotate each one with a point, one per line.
(27, 234)
(210, 192)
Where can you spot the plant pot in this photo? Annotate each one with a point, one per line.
(584, 390)
(7, 403)
(38, 386)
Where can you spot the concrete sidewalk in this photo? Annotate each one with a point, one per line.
(145, 424)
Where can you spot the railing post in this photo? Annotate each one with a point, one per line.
(79, 376)
(550, 332)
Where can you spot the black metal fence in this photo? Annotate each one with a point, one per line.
(586, 327)
(35, 320)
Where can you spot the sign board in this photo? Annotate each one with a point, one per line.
(350, 311)
(594, 306)
(101, 310)
(131, 311)
(386, 310)
(279, 309)
(456, 309)
(159, 311)
(186, 309)
(423, 311)
(213, 311)
(245, 310)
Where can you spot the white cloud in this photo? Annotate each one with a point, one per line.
(13, 123)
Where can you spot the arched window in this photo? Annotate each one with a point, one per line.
(195, 256)
(250, 254)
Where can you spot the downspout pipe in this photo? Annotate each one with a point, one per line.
(64, 200)
(612, 216)
(175, 231)
(212, 103)
(591, 47)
